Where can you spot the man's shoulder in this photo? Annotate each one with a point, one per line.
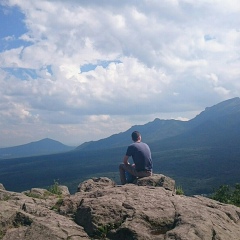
(137, 144)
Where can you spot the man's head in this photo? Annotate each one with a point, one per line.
(136, 136)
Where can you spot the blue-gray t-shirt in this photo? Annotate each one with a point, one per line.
(141, 155)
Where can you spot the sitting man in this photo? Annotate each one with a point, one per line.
(141, 155)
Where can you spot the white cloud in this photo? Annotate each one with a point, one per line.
(163, 60)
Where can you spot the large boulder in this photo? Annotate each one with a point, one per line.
(140, 212)
(148, 212)
(64, 190)
(26, 218)
(38, 193)
(95, 184)
(157, 180)
(103, 210)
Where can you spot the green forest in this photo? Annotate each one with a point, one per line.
(197, 170)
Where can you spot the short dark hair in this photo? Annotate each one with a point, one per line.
(135, 136)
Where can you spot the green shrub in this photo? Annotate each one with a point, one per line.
(55, 189)
(235, 199)
(225, 194)
(104, 229)
(222, 194)
(179, 190)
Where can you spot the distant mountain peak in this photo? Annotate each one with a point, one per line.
(46, 140)
(43, 146)
(220, 110)
(229, 104)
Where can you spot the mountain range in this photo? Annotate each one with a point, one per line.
(200, 154)
(44, 146)
(217, 123)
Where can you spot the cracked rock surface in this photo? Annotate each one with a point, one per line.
(102, 210)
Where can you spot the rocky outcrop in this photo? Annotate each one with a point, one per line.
(94, 184)
(2, 187)
(103, 210)
(157, 180)
(30, 217)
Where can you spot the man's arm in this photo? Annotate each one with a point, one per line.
(125, 160)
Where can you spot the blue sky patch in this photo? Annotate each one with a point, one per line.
(11, 22)
(8, 44)
(49, 69)
(12, 26)
(208, 37)
(89, 67)
(22, 73)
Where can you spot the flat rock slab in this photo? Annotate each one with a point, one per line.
(103, 210)
(150, 212)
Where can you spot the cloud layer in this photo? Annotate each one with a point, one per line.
(82, 70)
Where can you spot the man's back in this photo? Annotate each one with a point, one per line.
(141, 155)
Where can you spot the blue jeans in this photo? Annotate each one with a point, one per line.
(130, 169)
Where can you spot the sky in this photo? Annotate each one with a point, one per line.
(77, 70)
